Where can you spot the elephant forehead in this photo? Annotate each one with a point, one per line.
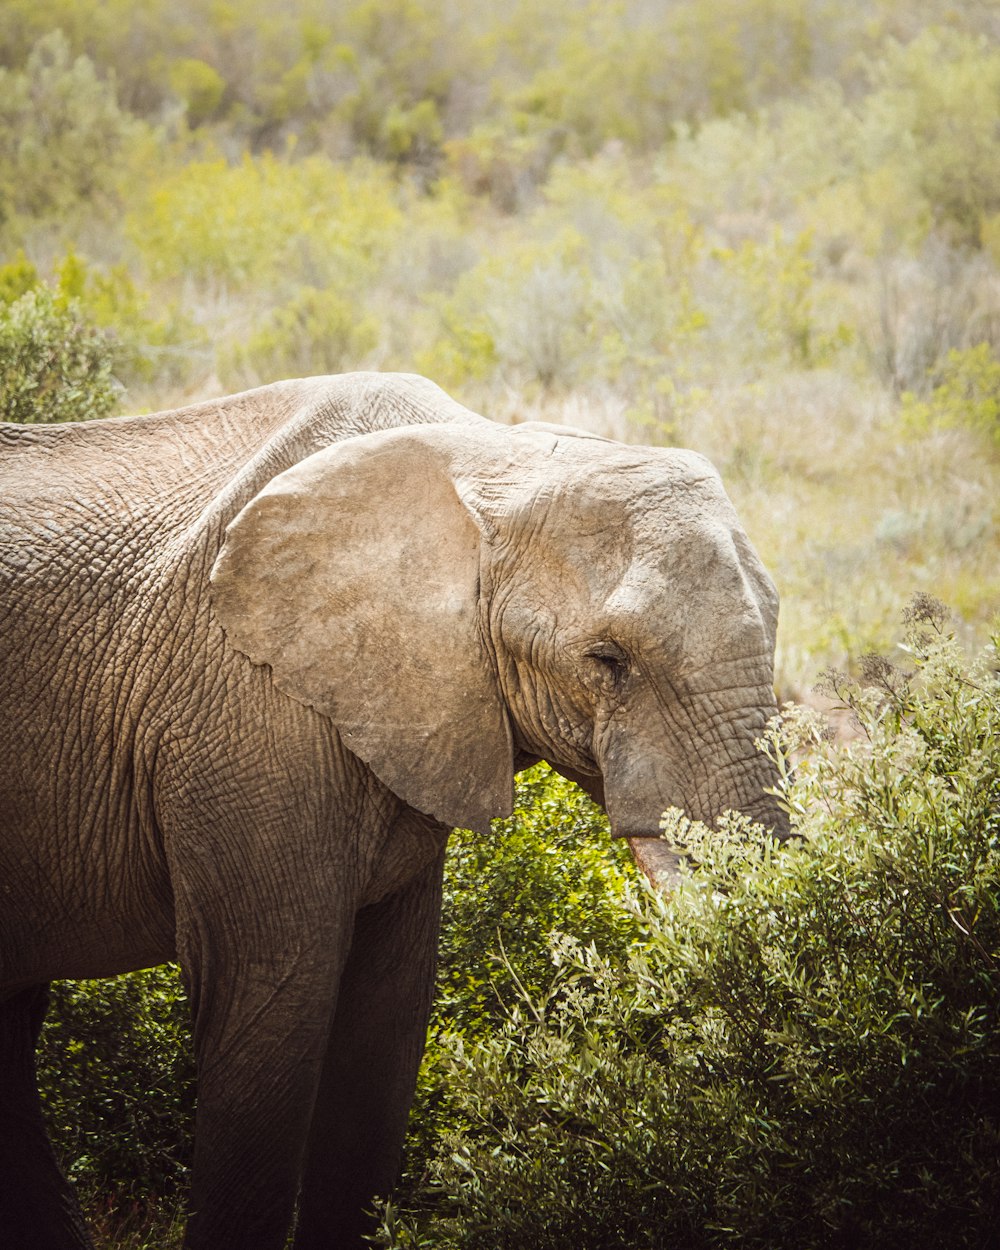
(633, 482)
(596, 531)
(628, 509)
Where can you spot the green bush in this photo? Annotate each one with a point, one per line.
(116, 1071)
(200, 87)
(265, 223)
(551, 867)
(152, 338)
(72, 350)
(55, 364)
(939, 91)
(17, 277)
(801, 1047)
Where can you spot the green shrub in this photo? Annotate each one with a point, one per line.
(265, 223)
(800, 1048)
(939, 91)
(92, 314)
(200, 87)
(551, 867)
(116, 1071)
(17, 277)
(153, 337)
(55, 364)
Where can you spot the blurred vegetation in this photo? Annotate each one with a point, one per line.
(766, 230)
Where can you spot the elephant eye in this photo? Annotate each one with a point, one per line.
(611, 661)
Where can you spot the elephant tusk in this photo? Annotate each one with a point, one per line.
(657, 860)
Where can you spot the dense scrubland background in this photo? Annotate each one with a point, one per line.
(765, 229)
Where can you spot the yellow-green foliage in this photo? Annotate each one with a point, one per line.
(200, 88)
(617, 282)
(63, 136)
(315, 332)
(775, 281)
(524, 311)
(55, 364)
(966, 392)
(599, 286)
(152, 340)
(268, 221)
(17, 277)
(941, 94)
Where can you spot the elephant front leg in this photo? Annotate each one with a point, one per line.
(261, 1023)
(370, 1071)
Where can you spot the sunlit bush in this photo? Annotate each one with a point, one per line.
(79, 343)
(55, 363)
(941, 92)
(153, 338)
(200, 88)
(965, 392)
(595, 286)
(268, 222)
(551, 867)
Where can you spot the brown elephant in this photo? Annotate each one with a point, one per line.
(258, 656)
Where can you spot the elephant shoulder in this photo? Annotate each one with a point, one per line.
(354, 404)
(277, 427)
(179, 471)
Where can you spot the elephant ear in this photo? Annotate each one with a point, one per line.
(355, 576)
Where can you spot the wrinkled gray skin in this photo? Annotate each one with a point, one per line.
(258, 656)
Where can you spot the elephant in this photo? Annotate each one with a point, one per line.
(260, 655)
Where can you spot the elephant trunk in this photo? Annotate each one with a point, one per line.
(705, 766)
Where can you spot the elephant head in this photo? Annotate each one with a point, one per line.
(464, 598)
